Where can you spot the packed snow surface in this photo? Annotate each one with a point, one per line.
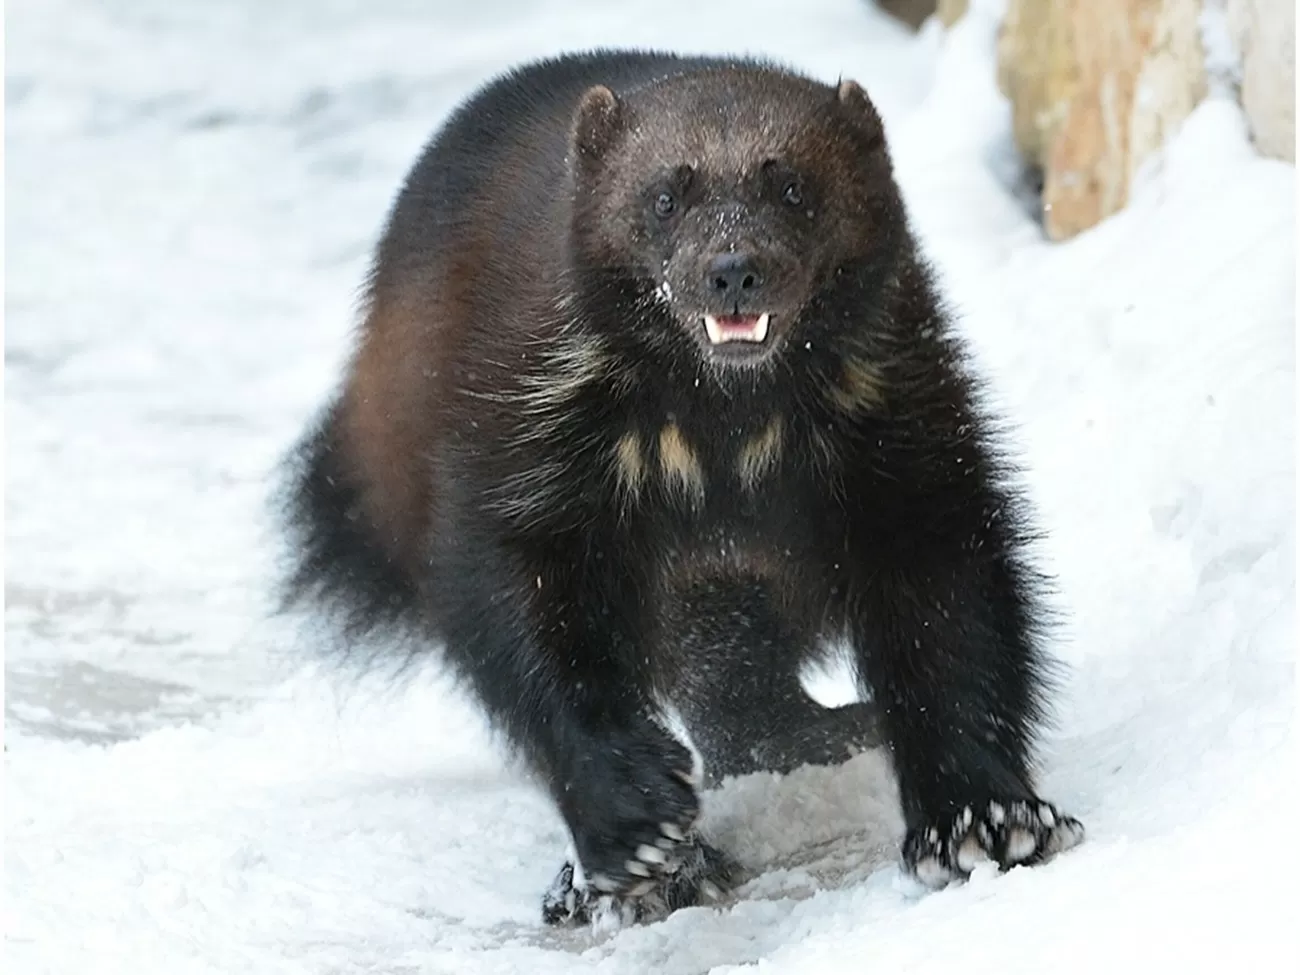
(192, 190)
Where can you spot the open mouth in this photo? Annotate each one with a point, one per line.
(737, 328)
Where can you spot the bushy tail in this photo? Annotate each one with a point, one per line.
(336, 562)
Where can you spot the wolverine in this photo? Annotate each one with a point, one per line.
(655, 395)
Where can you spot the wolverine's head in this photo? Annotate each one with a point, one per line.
(737, 200)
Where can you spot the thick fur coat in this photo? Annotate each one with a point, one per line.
(655, 394)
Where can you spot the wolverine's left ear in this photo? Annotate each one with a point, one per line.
(598, 123)
(854, 103)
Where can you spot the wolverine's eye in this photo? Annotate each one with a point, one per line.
(665, 205)
(792, 194)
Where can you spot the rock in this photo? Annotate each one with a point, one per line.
(911, 12)
(1170, 82)
(1264, 36)
(951, 11)
(1096, 86)
(1036, 71)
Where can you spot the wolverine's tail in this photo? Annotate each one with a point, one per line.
(336, 562)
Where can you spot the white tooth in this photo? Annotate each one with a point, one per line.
(717, 335)
(714, 329)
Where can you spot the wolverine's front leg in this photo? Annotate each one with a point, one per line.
(549, 635)
(945, 639)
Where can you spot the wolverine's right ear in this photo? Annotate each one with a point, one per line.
(854, 101)
(597, 124)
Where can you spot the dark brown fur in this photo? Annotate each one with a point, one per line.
(540, 460)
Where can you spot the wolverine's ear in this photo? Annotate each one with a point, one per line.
(853, 101)
(597, 124)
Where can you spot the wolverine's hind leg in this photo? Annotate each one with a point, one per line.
(736, 684)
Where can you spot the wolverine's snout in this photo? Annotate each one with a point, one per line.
(734, 280)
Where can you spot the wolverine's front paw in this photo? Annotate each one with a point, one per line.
(1011, 833)
(629, 802)
(696, 874)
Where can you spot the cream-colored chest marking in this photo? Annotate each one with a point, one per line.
(761, 453)
(629, 464)
(679, 465)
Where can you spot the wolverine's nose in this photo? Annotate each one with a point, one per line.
(733, 277)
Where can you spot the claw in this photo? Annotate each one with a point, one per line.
(690, 778)
(971, 854)
(636, 868)
(932, 873)
(651, 854)
(604, 884)
(1020, 845)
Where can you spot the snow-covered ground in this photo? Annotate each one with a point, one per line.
(191, 192)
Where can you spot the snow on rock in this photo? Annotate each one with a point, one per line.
(192, 189)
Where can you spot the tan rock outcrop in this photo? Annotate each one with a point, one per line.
(911, 12)
(951, 11)
(916, 12)
(1264, 34)
(1096, 86)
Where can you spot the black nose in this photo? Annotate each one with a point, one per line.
(733, 276)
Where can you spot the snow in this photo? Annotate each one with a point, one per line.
(192, 191)
(1222, 59)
